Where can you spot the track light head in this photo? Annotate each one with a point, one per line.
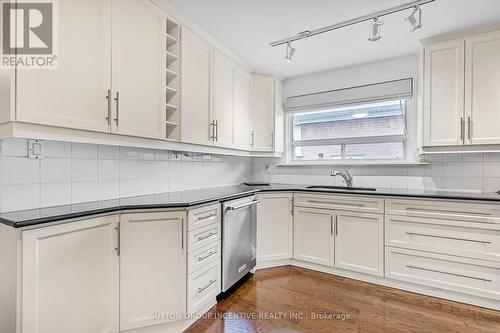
(415, 24)
(290, 51)
(375, 30)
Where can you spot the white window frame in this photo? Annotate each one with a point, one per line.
(410, 156)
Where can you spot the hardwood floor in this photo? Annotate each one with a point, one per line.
(286, 299)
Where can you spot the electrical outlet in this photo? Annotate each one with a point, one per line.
(35, 149)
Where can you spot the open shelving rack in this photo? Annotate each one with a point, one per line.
(172, 88)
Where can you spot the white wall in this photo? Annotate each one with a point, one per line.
(74, 173)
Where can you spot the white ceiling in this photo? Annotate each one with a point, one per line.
(248, 26)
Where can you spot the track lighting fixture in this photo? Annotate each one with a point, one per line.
(415, 25)
(375, 30)
(375, 27)
(290, 51)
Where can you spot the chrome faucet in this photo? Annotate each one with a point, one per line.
(346, 175)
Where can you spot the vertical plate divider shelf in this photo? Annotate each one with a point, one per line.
(172, 77)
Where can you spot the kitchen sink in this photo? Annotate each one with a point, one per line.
(323, 187)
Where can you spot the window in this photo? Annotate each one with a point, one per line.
(369, 131)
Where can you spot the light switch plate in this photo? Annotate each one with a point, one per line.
(35, 149)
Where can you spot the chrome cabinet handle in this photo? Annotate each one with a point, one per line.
(207, 256)
(117, 100)
(216, 130)
(211, 282)
(253, 138)
(243, 206)
(469, 128)
(462, 128)
(207, 236)
(442, 211)
(445, 237)
(448, 273)
(108, 97)
(272, 139)
(207, 217)
(336, 225)
(212, 130)
(330, 203)
(118, 240)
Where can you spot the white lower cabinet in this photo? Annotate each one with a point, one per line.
(313, 236)
(152, 268)
(274, 227)
(204, 258)
(465, 275)
(359, 242)
(71, 278)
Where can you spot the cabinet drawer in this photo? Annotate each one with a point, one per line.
(203, 286)
(468, 276)
(357, 203)
(203, 236)
(204, 256)
(203, 216)
(467, 239)
(458, 211)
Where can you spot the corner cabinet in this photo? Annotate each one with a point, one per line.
(118, 87)
(462, 92)
(71, 277)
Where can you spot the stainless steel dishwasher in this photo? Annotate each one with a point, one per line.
(238, 239)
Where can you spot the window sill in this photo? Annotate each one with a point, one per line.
(354, 163)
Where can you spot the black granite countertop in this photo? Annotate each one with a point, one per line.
(188, 198)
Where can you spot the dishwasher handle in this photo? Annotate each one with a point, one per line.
(242, 206)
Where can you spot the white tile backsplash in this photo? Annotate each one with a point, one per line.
(76, 173)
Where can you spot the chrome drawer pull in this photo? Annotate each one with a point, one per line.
(445, 211)
(207, 217)
(207, 236)
(452, 238)
(333, 203)
(207, 256)
(211, 282)
(447, 273)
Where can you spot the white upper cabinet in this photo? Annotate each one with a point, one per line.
(263, 103)
(139, 59)
(482, 86)
(278, 117)
(462, 92)
(444, 94)
(71, 277)
(152, 268)
(197, 75)
(74, 94)
(243, 121)
(224, 69)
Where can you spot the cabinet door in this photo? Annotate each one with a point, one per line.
(313, 236)
(482, 86)
(263, 112)
(70, 278)
(444, 94)
(197, 58)
(152, 268)
(359, 242)
(243, 121)
(223, 99)
(279, 120)
(139, 62)
(274, 227)
(74, 94)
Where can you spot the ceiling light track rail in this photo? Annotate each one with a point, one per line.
(366, 18)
